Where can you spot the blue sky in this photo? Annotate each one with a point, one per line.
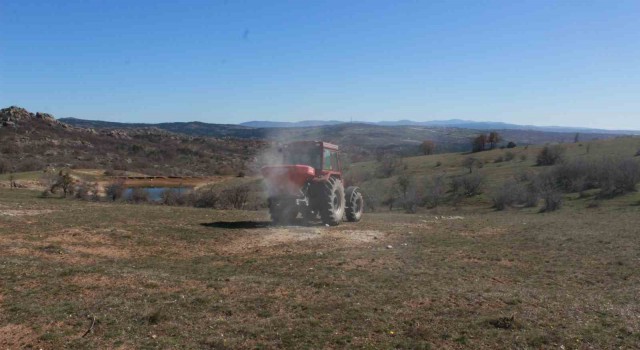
(573, 63)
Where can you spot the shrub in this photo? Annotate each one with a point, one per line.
(172, 196)
(500, 159)
(618, 177)
(511, 144)
(236, 197)
(508, 194)
(523, 157)
(115, 190)
(434, 191)
(139, 195)
(638, 153)
(530, 197)
(5, 167)
(509, 156)
(550, 155)
(545, 186)
(575, 176)
(206, 198)
(371, 200)
(552, 201)
(407, 192)
(468, 185)
(83, 191)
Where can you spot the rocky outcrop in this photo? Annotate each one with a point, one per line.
(14, 116)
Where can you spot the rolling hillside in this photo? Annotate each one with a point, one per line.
(496, 167)
(362, 141)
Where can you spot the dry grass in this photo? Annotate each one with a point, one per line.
(174, 277)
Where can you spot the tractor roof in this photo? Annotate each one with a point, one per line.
(326, 145)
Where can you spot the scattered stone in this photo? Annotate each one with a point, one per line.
(389, 246)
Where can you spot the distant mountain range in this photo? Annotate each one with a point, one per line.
(450, 123)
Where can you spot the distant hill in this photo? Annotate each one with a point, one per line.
(188, 128)
(302, 124)
(450, 123)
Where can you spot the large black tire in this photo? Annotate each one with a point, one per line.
(282, 211)
(355, 204)
(331, 201)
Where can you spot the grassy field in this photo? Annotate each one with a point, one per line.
(149, 276)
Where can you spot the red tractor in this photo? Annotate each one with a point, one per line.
(309, 182)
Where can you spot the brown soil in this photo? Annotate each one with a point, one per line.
(277, 240)
(17, 336)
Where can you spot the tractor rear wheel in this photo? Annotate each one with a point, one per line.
(355, 204)
(331, 201)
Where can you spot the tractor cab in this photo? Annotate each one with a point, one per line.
(321, 156)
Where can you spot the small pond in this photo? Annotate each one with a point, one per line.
(155, 193)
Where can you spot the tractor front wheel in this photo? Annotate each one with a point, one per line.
(331, 201)
(355, 204)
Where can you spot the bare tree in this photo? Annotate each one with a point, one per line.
(470, 163)
(388, 166)
(550, 155)
(237, 197)
(428, 147)
(434, 191)
(63, 181)
(479, 143)
(494, 139)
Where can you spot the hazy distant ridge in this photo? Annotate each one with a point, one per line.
(455, 123)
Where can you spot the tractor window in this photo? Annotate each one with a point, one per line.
(327, 164)
(302, 156)
(330, 161)
(334, 161)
